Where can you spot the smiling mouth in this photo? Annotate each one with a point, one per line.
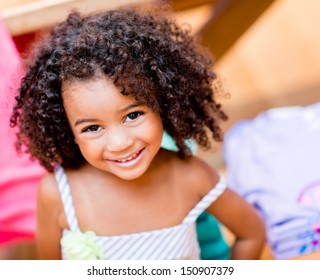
(132, 157)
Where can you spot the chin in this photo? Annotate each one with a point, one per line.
(132, 173)
(128, 176)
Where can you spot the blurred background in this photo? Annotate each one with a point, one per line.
(266, 52)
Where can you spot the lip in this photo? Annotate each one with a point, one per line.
(131, 162)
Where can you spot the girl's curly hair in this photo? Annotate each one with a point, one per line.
(147, 56)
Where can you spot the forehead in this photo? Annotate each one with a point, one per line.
(93, 94)
(70, 88)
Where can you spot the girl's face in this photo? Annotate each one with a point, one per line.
(115, 133)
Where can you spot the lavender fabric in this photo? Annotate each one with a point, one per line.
(273, 161)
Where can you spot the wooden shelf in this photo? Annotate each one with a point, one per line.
(28, 16)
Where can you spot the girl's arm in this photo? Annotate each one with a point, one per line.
(48, 232)
(243, 221)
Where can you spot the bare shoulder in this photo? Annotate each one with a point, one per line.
(199, 174)
(49, 209)
(48, 190)
(49, 199)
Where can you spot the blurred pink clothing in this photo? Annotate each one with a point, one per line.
(19, 177)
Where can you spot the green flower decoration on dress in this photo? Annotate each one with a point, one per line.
(81, 246)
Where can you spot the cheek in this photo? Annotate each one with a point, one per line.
(89, 148)
(154, 131)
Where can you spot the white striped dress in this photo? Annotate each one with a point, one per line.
(172, 243)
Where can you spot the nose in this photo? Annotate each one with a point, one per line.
(118, 139)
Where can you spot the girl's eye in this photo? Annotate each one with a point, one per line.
(132, 116)
(91, 128)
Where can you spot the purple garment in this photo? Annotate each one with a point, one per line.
(273, 161)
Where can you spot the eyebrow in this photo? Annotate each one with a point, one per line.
(126, 108)
(77, 122)
(133, 105)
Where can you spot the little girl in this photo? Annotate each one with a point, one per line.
(92, 109)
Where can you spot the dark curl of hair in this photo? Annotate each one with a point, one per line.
(148, 57)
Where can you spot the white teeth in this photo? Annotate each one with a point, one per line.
(128, 159)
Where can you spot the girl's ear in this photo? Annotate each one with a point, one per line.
(75, 141)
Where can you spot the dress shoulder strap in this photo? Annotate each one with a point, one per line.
(66, 197)
(206, 201)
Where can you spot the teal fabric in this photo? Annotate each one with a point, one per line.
(212, 244)
(169, 144)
